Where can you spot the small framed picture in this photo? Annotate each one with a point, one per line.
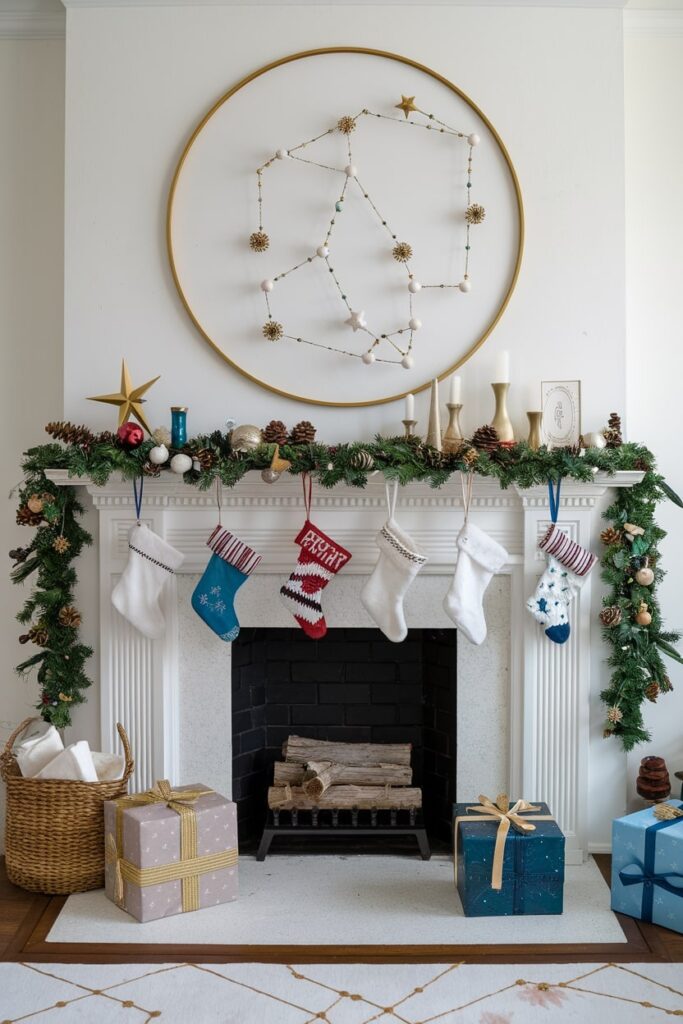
(561, 405)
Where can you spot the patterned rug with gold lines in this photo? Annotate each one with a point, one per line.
(339, 993)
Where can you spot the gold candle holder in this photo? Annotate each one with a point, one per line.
(535, 440)
(453, 434)
(409, 427)
(501, 420)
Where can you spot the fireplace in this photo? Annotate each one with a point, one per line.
(527, 724)
(352, 686)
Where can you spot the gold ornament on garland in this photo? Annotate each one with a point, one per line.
(61, 544)
(407, 105)
(645, 576)
(611, 616)
(69, 616)
(631, 531)
(277, 467)
(65, 698)
(161, 436)
(272, 330)
(128, 399)
(259, 241)
(614, 715)
(643, 616)
(245, 438)
(402, 252)
(475, 214)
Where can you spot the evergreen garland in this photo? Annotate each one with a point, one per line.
(636, 659)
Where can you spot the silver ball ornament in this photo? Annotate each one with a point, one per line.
(158, 455)
(465, 285)
(414, 323)
(473, 139)
(414, 286)
(322, 251)
(270, 476)
(407, 362)
(351, 170)
(368, 358)
(267, 285)
(246, 438)
(181, 463)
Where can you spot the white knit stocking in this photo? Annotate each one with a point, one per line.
(150, 565)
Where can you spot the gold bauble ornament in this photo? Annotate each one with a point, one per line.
(643, 617)
(128, 399)
(270, 476)
(246, 438)
(35, 503)
(645, 576)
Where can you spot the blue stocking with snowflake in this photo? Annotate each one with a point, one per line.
(231, 563)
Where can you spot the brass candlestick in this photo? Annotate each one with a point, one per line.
(501, 420)
(453, 433)
(409, 427)
(535, 439)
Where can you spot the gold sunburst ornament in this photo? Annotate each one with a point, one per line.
(128, 399)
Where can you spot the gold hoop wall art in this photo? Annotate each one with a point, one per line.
(344, 225)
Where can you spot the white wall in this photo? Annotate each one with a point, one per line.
(31, 303)
(654, 264)
(138, 80)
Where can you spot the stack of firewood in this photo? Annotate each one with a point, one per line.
(322, 774)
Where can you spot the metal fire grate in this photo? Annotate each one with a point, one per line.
(380, 822)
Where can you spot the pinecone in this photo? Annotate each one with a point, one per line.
(151, 469)
(642, 465)
(27, 518)
(665, 685)
(611, 536)
(611, 615)
(652, 691)
(612, 432)
(275, 432)
(39, 635)
(571, 449)
(432, 457)
(485, 439)
(70, 433)
(69, 616)
(469, 456)
(302, 433)
(205, 457)
(19, 555)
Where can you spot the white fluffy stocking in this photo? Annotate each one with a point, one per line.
(479, 557)
(150, 564)
(398, 565)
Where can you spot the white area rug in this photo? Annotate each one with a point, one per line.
(337, 900)
(340, 993)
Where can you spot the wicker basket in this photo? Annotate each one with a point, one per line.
(54, 832)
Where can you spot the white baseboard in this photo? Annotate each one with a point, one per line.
(599, 847)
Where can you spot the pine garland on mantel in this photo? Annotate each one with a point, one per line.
(637, 650)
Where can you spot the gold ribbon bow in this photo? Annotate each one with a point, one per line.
(506, 816)
(190, 866)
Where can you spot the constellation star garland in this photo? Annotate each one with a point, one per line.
(401, 338)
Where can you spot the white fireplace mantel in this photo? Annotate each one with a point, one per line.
(549, 685)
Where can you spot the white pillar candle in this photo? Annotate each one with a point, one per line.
(455, 390)
(410, 407)
(501, 368)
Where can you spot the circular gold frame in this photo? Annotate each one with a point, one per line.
(372, 53)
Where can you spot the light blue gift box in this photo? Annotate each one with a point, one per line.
(647, 867)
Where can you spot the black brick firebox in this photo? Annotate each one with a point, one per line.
(353, 685)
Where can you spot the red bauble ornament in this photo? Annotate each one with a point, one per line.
(130, 434)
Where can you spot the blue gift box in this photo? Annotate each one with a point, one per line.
(647, 867)
(533, 866)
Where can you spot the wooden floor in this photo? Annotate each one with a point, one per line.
(26, 919)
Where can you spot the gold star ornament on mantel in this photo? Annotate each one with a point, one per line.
(407, 104)
(128, 399)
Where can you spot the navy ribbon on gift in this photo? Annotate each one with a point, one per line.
(645, 873)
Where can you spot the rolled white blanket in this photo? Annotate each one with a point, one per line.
(109, 767)
(40, 743)
(74, 762)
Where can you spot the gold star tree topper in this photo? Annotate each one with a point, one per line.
(128, 399)
(407, 104)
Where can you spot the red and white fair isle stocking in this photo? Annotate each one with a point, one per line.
(319, 560)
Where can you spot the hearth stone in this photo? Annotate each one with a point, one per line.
(351, 686)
